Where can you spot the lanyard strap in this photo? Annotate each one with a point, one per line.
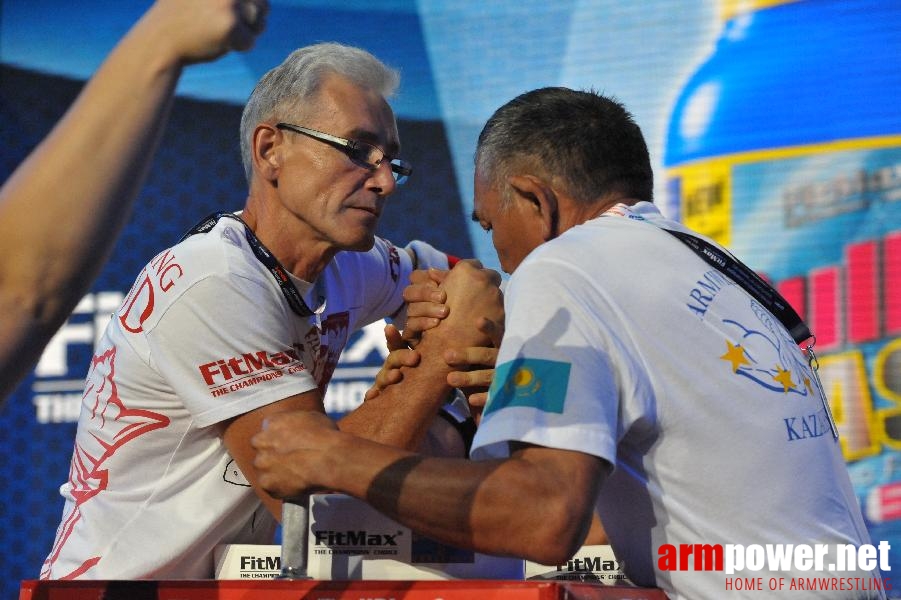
(295, 300)
(735, 270)
(764, 293)
(750, 281)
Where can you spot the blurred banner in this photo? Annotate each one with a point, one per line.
(785, 145)
(773, 127)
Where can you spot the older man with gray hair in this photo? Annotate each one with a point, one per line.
(242, 320)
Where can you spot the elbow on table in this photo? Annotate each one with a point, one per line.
(557, 537)
(551, 550)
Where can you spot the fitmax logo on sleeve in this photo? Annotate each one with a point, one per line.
(250, 368)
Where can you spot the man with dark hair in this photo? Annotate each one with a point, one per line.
(637, 377)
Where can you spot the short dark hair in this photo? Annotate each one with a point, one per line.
(588, 142)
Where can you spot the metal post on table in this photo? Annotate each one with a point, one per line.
(295, 535)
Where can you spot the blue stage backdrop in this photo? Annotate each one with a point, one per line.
(773, 125)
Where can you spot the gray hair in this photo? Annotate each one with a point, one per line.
(294, 84)
(586, 142)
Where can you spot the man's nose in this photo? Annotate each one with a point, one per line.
(383, 179)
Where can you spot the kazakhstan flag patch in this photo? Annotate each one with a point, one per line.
(530, 382)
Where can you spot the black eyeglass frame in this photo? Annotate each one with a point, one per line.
(356, 150)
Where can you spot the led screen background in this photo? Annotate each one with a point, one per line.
(459, 60)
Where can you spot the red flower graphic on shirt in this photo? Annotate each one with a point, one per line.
(333, 335)
(115, 425)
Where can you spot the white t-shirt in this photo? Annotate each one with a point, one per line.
(622, 343)
(204, 335)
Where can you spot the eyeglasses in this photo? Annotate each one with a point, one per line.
(361, 152)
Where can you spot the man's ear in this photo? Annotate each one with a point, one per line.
(266, 147)
(541, 198)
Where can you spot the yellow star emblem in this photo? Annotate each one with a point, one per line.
(785, 378)
(736, 355)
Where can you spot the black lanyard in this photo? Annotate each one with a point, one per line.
(736, 271)
(764, 293)
(295, 300)
(753, 284)
(750, 281)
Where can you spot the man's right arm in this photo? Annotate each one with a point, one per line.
(401, 414)
(62, 209)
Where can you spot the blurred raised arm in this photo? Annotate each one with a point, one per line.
(62, 209)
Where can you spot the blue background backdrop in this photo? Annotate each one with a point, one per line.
(459, 60)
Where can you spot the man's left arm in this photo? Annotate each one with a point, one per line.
(489, 506)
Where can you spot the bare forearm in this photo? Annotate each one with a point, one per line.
(536, 504)
(66, 202)
(402, 413)
(506, 507)
(62, 209)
